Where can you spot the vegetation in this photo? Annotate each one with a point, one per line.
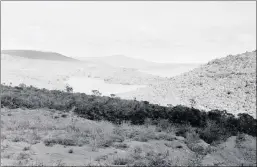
(69, 89)
(211, 126)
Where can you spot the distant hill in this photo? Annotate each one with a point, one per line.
(32, 54)
(228, 84)
(121, 61)
(129, 62)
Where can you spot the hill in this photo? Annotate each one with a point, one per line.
(228, 84)
(32, 54)
(121, 61)
(139, 64)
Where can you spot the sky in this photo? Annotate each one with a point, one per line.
(166, 32)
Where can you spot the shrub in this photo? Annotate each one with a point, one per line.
(23, 156)
(121, 146)
(158, 158)
(247, 124)
(68, 89)
(65, 142)
(213, 132)
(96, 93)
(121, 161)
(192, 137)
(163, 124)
(166, 136)
(70, 151)
(26, 148)
(182, 130)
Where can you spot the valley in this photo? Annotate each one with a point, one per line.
(216, 85)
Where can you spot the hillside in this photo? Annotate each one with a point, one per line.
(44, 137)
(226, 84)
(32, 54)
(55, 128)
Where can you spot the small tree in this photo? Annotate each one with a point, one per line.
(112, 95)
(22, 85)
(69, 89)
(169, 105)
(96, 92)
(192, 102)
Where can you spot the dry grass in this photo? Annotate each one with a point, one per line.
(127, 141)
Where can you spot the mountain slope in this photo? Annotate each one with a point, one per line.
(32, 54)
(226, 84)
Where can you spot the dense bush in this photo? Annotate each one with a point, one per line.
(117, 110)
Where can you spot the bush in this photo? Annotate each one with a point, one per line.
(121, 161)
(158, 159)
(214, 132)
(70, 151)
(65, 142)
(182, 130)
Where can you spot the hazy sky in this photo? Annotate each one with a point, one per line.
(156, 31)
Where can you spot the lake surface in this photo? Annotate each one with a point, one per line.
(86, 85)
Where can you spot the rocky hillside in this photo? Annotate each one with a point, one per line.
(228, 84)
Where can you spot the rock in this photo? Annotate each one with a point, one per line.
(200, 147)
(180, 138)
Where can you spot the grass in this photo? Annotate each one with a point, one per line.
(38, 125)
(22, 156)
(121, 161)
(239, 139)
(150, 158)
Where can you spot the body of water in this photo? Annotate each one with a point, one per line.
(86, 85)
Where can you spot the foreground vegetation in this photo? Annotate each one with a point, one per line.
(48, 137)
(211, 126)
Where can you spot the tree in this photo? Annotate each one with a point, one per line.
(22, 85)
(192, 102)
(69, 89)
(112, 95)
(96, 92)
(169, 105)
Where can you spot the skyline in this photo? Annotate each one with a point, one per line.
(165, 32)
